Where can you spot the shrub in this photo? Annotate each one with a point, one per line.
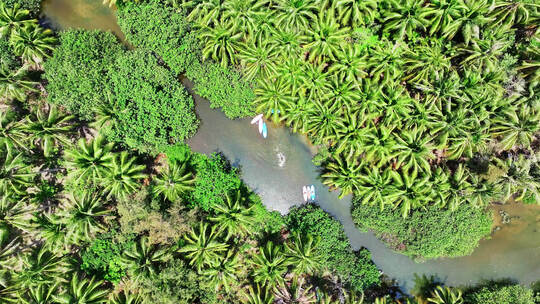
(77, 71)
(7, 57)
(153, 110)
(355, 267)
(495, 293)
(103, 258)
(426, 234)
(215, 177)
(34, 6)
(160, 29)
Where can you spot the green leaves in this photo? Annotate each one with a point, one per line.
(202, 248)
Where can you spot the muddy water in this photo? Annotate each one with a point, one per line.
(278, 166)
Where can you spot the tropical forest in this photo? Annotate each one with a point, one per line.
(396, 161)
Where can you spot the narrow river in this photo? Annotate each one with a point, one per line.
(277, 167)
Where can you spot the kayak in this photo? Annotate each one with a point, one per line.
(256, 118)
(264, 130)
(305, 192)
(261, 122)
(312, 190)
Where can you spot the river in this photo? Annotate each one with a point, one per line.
(277, 167)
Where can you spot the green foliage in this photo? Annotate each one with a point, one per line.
(223, 87)
(214, 178)
(7, 56)
(355, 267)
(77, 72)
(427, 234)
(152, 109)
(103, 258)
(160, 29)
(495, 293)
(34, 6)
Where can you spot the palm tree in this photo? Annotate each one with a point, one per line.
(296, 115)
(516, 127)
(351, 63)
(426, 61)
(81, 214)
(441, 14)
(295, 15)
(42, 294)
(516, 178)
(33, 43)
(459, 189)
(243, 13)
(473, 15)
(12, 19)
(344, 173)
(343, 92)
(53, 231)
(49, 128)
(224, 273)
(403, 17)
(15, 174)
(258, 57)
(41, 267)
(14, 84)
(483, 192)
(386, 60)
(208, 12)
(11, 129)
(415, 150)
(413, 191)
(484, 53)
(297, 292)
(445, 295)
(83, 291)
(380, 145)
(257, 295)
(15, 212)
(173, 181)
(221, 42)
(302, 252)
(327, 37)
(88, 161)
(396, 103)
(510, 12)
(143, 259)
(272, 98)
(375, 188)
(356, 13)
(288, 44)
(233, 217)
(126, 297)
(202, 248)
(122, 175)
(314, 81)
(270, 264)
(324, 121)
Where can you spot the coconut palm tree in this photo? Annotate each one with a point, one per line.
(243, 13)
(446, 295)
(415, 150)
(11, 129)
(258, 57)
(386, 60)
(126, 297)
(441, 14)
(314, 81)
(375, 188)
(396, 103)
(14, 84)
(33, 43)
(83, 290)
(270, 264)
(302, 252)
(41, 267)
(516, 127)
(13, 19)
(257, 295)
(324, 121)
(483, 192)
(81, 214)
(344, 173)
(202, 248)
(42, 294)
(173, 181)
(516, 179)
(511, 12)
(484, 53)
(122, 176)
(426, 61)
(88, 161)
(272, 98)
(473, 15)
(224, 273)
(342, 92)
(296, 115)
(413, 191)
(221, 42)
(297, 292)
(143, 259)
(15, 212)
(288, 44)
(403, 17)
(53, 231)
(380, 145)
(48, 128)
(327, 36)
(295, 15)
(351, 63)
(356, 13)
(15, 175)
(232, 217)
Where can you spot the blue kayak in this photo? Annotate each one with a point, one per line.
(264, 130)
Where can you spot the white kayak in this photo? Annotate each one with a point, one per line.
(256, 118)
(312, 190)
(305, 193)
(264, 130)
(261, 123)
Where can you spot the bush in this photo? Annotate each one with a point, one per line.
(7, 57)
(223, 87)
(103, 258)
(214, 178)
(77, 71)
(429, 233)
(34, 6)
(153, 110)
(160, 29)
(356, 268)
(496, 293)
